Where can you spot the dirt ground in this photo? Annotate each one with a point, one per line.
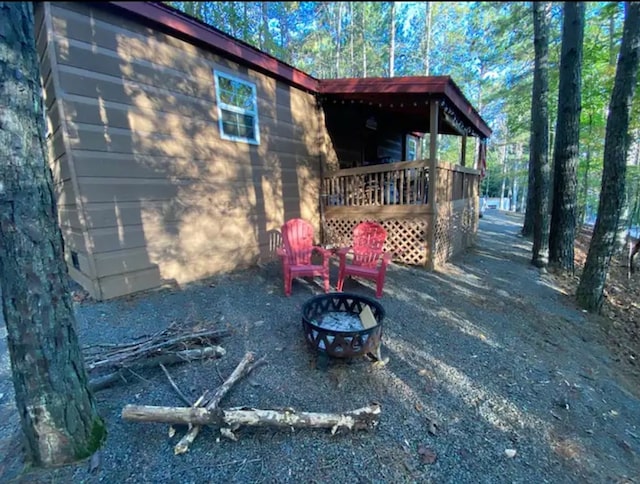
(620, 315)
(493, 375)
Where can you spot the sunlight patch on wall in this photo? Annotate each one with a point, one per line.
(61, 43)
(119, 222)
(201, 243)
(165, 56)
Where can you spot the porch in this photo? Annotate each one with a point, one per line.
(420, 232)
(387, 137)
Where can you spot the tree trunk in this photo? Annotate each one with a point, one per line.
(515, 187)
(245, 22)
(504, 176)
(612, 38)
(591, 287)
(527, 226)
(264, 26)
(392, 45)
(338, 38)
(582, 207)
(364, 40)
(565, 155)
(539, 145)
(427, 53)
(352, 31)
(57, 410)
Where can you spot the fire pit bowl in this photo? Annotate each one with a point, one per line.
(333, 327)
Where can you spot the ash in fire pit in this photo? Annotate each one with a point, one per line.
(339, 321)
(333, 325)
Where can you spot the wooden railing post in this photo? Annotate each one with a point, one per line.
(432, 209)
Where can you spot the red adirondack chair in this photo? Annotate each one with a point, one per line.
(296, 251)
(369, 259)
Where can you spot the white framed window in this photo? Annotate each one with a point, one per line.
(237, 108)
(411, 149)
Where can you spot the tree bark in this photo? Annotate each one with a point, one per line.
(427, 51)
(539, 145)
(527, 226)
(591, 287)
(392, 44)
(364, 39)
(565, 156)
(338, 38)
(582, 206)
(57, 410)
(504, 176)
(264, 27)
(352, 31)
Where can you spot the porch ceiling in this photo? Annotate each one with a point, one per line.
(410, 97)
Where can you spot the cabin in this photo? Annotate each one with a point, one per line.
(177, 151)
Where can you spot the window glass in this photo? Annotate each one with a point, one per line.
(412, 149)
(237, 109)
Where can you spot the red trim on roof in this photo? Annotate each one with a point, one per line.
(198, 32)
(235, 49)
(385, 85)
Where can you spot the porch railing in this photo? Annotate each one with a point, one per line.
(400, 183)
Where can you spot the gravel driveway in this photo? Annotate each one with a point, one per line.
(493, 376)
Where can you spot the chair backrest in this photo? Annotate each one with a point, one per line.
(368, 243)
(297, 239)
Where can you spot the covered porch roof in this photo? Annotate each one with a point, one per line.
(410, 97)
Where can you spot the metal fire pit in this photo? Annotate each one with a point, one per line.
(342, 343)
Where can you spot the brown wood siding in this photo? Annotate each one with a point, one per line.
(165, 199)
(63, 185)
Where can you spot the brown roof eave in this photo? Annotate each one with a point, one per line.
(453, 93)
(209, 37)
(435, 86)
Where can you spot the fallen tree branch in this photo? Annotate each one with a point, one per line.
(182, 396)
(104, 381)
(131, 352)
(364, 418)
(240, 371)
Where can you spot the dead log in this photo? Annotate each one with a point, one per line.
(364, 418)
(100, 382)
(240, 371)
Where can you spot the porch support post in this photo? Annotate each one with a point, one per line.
(432, 210)
(463, 150)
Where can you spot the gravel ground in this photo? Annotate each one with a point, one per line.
(485, 356)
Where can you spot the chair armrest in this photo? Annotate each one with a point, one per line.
(386, 258)
(344, 251)
(324, 252)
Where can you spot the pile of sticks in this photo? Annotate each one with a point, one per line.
(111, 363)
(206, 411)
